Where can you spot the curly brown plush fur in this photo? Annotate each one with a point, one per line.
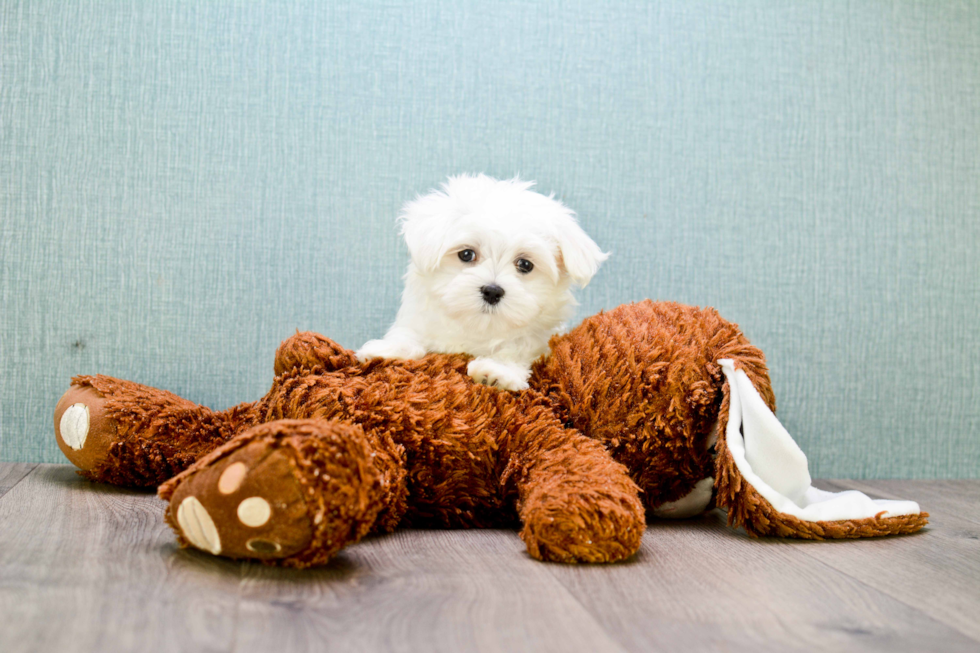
(619, 421)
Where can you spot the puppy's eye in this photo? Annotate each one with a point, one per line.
(467, 256)
(523, 265)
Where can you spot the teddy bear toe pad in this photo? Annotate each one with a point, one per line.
(197, 525)
(248, 505)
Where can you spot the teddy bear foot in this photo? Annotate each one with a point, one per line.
(82, 429)
(128, 434)
(289, 492)
(247, 505)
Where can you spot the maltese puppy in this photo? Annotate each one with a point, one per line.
(491, 272)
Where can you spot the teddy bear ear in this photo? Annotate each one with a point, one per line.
(762, 479)
(580, 256)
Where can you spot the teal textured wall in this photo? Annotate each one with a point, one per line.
(184, 184)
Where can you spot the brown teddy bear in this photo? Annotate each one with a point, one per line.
(648, 410)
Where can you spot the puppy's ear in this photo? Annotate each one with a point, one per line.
(426, 225)
(579, 254)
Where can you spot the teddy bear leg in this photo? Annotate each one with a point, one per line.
(129, 434)
(308, 350)
(577, 504)
(289, 492)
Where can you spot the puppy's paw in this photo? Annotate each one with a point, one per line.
(507, 376)
(389, 349)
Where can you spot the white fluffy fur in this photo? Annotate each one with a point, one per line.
(442, 307)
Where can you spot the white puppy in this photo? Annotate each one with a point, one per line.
(490, 276)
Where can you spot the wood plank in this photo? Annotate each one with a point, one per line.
(935, 571)
(12, 473)
(418, 591)
(698, 585)
(86, 567)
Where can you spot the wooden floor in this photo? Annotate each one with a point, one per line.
(85, 567)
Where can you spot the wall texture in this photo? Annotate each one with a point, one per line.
(184, 184)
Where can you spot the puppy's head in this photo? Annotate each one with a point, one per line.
(496, 254)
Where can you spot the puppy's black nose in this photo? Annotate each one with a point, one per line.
(492, 293)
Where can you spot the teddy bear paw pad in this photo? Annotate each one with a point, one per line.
(74, 425)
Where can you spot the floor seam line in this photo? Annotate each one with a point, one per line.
(238, 606)
(20, 480)
(587, 611)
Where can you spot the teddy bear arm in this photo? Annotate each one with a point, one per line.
(308, 350)
(575, 502)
